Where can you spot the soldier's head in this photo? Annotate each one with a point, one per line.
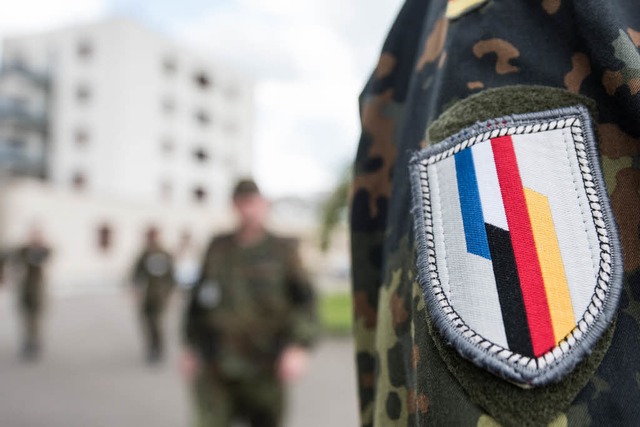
(251, 207)
(152, 236)
(36, 236)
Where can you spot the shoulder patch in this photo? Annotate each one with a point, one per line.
(518, 253)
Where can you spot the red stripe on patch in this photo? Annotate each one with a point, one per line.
(524, 248)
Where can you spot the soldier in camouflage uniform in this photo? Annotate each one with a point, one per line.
(31, 262)
(445, 66)
(153, 276)
(250, 321)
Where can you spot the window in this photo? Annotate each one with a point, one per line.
(201, 155)
(78, 181)
(85, 49)
(81, 137)
(83, 93)
(200, 194)
(105, 237)
(202, 80)
(202, 117)
(169, 66)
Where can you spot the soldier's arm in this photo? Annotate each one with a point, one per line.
(138, 273)
(304, 328)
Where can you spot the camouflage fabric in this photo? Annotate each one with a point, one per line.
(428, 64)
(31, 288)
(219, 402)
(249, 304)
(154, 273)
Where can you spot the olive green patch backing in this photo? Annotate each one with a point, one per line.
(507, 403)
(501, 102)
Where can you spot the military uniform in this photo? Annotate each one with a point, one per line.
(250, 303)
(450, 79)
(154, 273)
(31, 294)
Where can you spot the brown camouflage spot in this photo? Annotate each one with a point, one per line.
(434, 44)
(475, 85)
(504, 51)
(614, 143)
(626, 207)
(386, 65)
(364, 310)
(581, 68)
(635, 36)
(380, 127)
(415, 357)
(423, 403)
(551, 6)
(613, 80)
(412, 402)
(399, 314)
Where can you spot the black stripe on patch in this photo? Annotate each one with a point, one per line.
(514, 314)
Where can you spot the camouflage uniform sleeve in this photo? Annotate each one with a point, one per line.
(138, 274)
(304, 328)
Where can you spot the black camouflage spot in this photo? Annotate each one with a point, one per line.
(372, 164)
(375, 256)
(634, 285)
(361, 219)
(395, 365)
(394, 405)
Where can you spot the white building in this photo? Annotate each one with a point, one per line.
(125, 129)
(130, 114)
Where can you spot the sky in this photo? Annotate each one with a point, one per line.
(309, 60)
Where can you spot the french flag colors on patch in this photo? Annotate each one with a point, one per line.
(514, 240)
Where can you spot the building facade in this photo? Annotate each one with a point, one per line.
(108, 129)
(123, 112)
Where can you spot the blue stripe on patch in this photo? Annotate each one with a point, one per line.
(472, 218)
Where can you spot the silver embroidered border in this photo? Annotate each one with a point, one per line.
(525, 370)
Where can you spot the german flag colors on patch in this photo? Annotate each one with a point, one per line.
(518, 253)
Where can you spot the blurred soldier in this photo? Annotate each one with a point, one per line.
(250, 321)
(495, 217)
(31, 261)
(154, 278)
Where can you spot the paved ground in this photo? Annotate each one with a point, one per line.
(92, 374)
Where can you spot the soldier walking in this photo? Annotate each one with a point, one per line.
(154, 278)
(249, 322)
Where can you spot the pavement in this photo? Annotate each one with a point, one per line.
(93, 374)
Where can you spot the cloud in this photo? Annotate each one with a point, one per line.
(310, 59)
(26, 16)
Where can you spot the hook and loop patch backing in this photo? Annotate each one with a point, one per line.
(518, 254)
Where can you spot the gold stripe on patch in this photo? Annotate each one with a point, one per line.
(456, 8)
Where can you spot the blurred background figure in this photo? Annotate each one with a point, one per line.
(28, 264)
(153, 278)
(250, 321)
(187, 260)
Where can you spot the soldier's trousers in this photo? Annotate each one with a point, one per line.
(31, 320)
(219, 402)
(152, 324)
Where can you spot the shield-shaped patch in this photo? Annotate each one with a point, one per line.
(518, 251)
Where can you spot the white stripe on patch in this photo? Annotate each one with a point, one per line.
(492, 206)
(542, 159)
(478, 305)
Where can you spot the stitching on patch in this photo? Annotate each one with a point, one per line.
(604, 275)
